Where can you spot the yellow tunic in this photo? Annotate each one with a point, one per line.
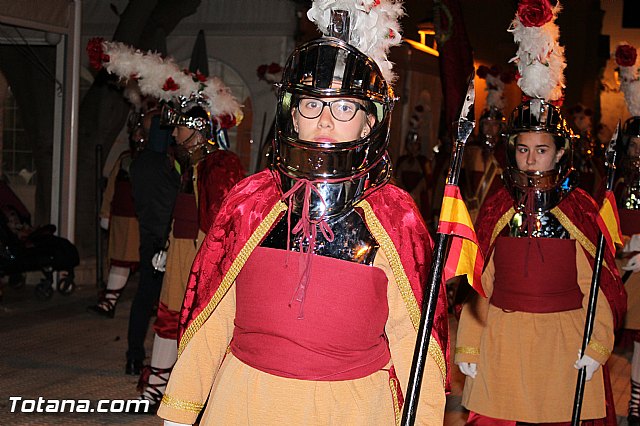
(525, 360)
(632, 286)
(241, 395)
(124, 237)
(180, 257)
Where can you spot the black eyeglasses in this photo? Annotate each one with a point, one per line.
(341, 109)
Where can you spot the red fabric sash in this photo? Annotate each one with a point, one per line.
(533, 275)
(341, 336)
(122, 202)
(125, 264)
(629, 221)
(476, 419)
(185, 217)
(247, 205)
(166, 323)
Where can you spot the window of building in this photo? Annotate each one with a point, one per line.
(17, 156)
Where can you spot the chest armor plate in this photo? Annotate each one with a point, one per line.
(353, 242)
(544, 225)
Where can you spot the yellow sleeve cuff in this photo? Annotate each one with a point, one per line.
(179, 411)
(466, 354)
(598, 351)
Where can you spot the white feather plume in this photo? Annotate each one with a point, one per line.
(540, 58)
(630, 85)
(495, 89)
(133, 95)
(152, 72)
(374, 27)
(631, 92)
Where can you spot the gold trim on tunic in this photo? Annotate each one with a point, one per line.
(502, 222)
(193, 407)
(397, 411)
(386, 244)
(600, 348)
(467, 350)
(232, 273)
(576, 234)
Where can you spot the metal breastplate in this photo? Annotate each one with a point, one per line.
(545, 225)
(630, 198)
(353, 242)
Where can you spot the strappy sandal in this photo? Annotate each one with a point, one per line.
(153, 390)
(106, 306)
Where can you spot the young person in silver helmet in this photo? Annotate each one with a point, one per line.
(303, 301)
(627, 192)
(485, 159)
(199, 108)
(207, 174)
(520, 346)
(118, 217)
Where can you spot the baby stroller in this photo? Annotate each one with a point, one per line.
(24, 248)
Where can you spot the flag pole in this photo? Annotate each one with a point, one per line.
(595, 286)
(466, 124)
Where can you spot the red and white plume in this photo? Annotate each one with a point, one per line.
(374, 27)
(626, 56)
(540, 58)
(162, 78)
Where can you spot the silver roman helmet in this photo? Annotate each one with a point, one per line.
(549, 187)
(346, 171)
(190, 113)
(491, 117)
(630, 165)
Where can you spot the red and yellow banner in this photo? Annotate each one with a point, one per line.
(465, 257)
(609, 222)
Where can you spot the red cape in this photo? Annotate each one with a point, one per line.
(218, 172)
(252, 208)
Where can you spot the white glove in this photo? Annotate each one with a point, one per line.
(632, 245)
(104, 223)
(588, 362)
(468, 369)
(170, 423)
(159, 261)
(633, 264)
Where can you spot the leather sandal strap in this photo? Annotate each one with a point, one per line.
(110, 302)
(161, 373)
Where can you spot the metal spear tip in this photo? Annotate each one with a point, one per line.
(610, 155)
(467, 112)
(614, 139)
(466, 122)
